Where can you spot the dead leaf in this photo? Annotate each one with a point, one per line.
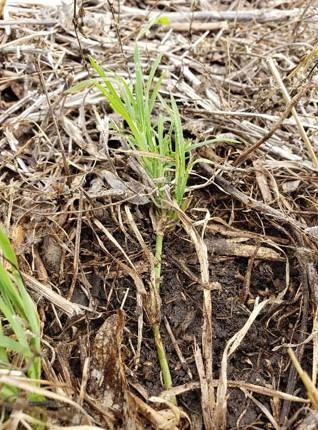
(133, 190)
(290, 186)
(51, 254)
(107, 380)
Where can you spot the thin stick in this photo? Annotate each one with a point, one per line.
(244, 155)
(258, 15)
(57, 129)
(287, 98)
(77, 246)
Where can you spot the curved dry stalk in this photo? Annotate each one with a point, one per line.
(310, 386)
(231, 346)
(206, 374)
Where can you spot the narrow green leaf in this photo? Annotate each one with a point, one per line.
(14, 346)
(7, 250)
(81, 86)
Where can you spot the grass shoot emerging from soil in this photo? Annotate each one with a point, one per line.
(20, 337)
(156, 136)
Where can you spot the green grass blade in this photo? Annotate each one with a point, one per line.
(155, 92)
(9, 291)
(19, 321)
(98, 69)
(8, 392)
(181, 174)
(15, 324)
(81, 86)
(7, 250)
(14, 346)
(151, 76)
(4, 360)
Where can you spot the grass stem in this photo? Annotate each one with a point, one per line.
(163, 361)
(161, 352)
(158, 258)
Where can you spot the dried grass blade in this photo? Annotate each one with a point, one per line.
(71, 309)
(310, 387)
(231, 346)
(208, 397)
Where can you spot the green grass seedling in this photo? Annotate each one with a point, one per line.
(156, 136)
(20, 335)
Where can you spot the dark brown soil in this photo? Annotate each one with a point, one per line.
(255, 362)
